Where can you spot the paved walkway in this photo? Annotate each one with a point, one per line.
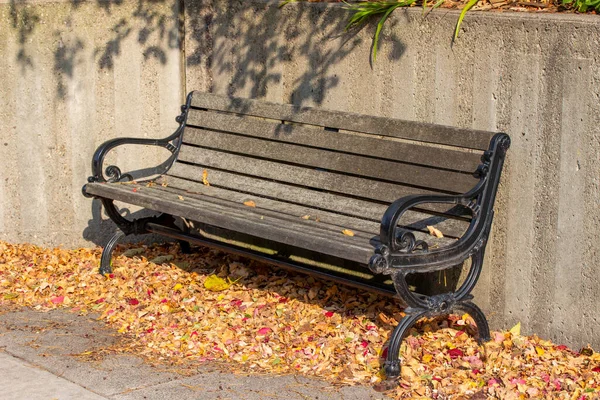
(37, 362)
(21, 380)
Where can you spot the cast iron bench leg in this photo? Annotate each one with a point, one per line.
(105, 260)
(431, 306)
(135, 227)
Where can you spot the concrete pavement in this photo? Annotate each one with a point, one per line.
(38, 361)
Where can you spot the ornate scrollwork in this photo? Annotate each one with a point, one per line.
(440, 304)
(407, 243)
(379, 262)
(504, 143)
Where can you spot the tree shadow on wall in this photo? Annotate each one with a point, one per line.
(249, 42)
(253, 42)
(156, 28)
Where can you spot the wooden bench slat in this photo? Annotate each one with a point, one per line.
(343, 184)
(369, 145)
(318, 204)
(332, 161)
(451, 136)
(286, 211)
(260, 223)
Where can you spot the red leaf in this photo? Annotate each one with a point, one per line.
(150, 330)
(134, 302)
(596, 369)
(100, 300)
(364, 343)
(58, 299)
(264, 331)
(455, 353)
(111, 276)
(370, 327)
(329, 314)
(283, 299)
(458, 333)
(562, 347)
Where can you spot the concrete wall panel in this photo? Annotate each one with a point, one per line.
(73, 75)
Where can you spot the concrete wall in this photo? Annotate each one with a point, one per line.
(72, 75)
(534, 76)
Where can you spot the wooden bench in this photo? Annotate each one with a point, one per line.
(343, 196)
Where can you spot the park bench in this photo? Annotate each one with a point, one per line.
(342, 196)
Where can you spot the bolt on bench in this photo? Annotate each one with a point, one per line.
(342, 196)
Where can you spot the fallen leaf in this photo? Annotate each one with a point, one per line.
(250, 203)
(216, 284)
(433, 231)
(516, 330)
(180, 198)
(348, 232)
(264, 331)
(306, 217)
(539, 351)
(58, 299)
(205, 178)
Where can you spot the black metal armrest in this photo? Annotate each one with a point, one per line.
(113, 173)
(399, 248)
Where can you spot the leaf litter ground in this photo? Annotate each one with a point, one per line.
(210, 306)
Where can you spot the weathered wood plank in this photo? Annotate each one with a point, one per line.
(344, 184)
(331, 209)
(392, 171)
(260, 223)
(318, 137)
(410, 130)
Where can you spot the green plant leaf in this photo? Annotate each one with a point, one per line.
(469, 5)
(284, 2)
(379, 27)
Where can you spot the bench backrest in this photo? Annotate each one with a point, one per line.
(334, 160)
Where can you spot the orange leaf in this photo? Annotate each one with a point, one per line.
(205, 178)
(348, 232)
(250, 203)
(435, 232)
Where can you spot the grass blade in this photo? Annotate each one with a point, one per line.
(469, 5)
(380, 26)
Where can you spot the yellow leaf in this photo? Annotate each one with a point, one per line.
(516, 330)
(348, 232)
(433, 231)
(205, 178)
(180, 198)
(177, 287)
(250, 203)
(216, 284)
(539, 351)
(306, 217)
(427, 358)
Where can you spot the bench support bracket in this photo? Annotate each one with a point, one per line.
(135, 227)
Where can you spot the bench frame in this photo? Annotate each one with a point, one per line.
(399, 254)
